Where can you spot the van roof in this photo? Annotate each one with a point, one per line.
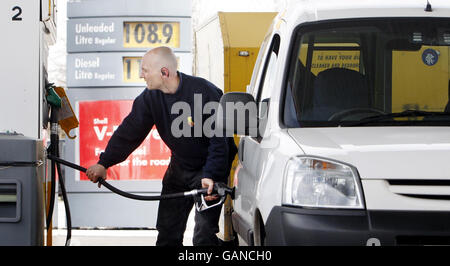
(316, 10)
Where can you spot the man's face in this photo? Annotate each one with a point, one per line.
(151, 74)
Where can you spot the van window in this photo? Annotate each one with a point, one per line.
(269, 77)
(259, 62)
(266, 83)
(369, 73)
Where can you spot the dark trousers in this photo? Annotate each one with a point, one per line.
(174, 213)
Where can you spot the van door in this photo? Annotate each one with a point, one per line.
(251, 153)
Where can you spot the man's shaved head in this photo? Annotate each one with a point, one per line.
(161, 57)
(159, 69)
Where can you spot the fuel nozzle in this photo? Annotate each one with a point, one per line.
(52, 97)
(220, 189)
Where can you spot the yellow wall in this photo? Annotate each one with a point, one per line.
(239, 69)
(242, 31)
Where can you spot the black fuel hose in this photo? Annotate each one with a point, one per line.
(194, 192)
(53, 149)
(56, 169)
(66, 202)
(52, 195)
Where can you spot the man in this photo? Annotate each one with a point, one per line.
(196, 161)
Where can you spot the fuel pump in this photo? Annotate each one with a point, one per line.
(29, 28)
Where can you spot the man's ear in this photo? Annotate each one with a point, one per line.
(164, 72)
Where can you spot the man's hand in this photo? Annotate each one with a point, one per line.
(95, 172)
(209, 184)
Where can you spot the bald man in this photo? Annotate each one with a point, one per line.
(195, 162)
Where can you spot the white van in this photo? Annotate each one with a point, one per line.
(352, 145)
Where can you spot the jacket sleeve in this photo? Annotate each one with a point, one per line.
(217, 160)
(129, 135)
(216, 166)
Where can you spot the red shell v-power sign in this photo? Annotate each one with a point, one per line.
(98, 120)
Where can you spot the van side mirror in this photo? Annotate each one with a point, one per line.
(237, 114)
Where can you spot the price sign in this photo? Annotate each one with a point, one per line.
(112, 69)
(151, 34)
(128, 34)
(132, 69)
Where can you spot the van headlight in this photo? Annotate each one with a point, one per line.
(316, 182)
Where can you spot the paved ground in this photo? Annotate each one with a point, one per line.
(112, 237)
(103, 237)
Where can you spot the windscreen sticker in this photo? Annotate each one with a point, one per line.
(430, 57)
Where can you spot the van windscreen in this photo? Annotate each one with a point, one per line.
(373, 72)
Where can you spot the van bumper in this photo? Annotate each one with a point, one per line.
(298, 226)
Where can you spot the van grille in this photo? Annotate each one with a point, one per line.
(423, 240)
(423, 189)
(401, 182)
